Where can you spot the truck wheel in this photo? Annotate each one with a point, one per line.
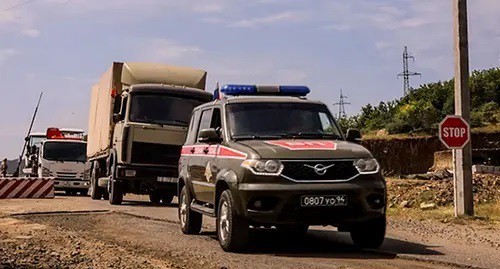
(96, 192)
(369, 234)
(190, 221)
(116, 193)
(232, 229)
(155, 197)
(166, 198)
(84, 193)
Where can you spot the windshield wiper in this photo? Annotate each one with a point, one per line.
(255, 137)
(311, 134)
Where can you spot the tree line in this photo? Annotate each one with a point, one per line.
(421, 110)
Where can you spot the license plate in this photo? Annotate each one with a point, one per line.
(323, 200)
(167, 179)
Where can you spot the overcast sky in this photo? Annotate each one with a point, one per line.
(62, 47)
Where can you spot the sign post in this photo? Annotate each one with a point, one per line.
(462, 156)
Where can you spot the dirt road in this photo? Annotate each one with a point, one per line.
(76, 232)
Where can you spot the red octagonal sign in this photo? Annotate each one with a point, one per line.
(454, 132)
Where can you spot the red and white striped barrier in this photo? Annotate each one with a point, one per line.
(26, 187)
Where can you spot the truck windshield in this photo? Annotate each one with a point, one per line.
(36, 141)
(162, 109)
(65, 151)
(281, 120)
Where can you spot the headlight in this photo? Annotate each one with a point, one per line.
(367, 166)
(264, 167)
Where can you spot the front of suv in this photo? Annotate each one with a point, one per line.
(295, 168)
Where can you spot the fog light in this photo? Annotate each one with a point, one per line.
(257, 204)
(130, 173)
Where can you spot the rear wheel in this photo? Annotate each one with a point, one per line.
(232, 229)
(190, 221)
(155, 197)
(166, 198)
(369, 234)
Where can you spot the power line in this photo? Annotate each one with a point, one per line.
(342, 103)
(406, 74)
(18, 4)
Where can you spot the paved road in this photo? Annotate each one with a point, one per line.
(324, 247)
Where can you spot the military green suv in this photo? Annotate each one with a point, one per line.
(265, 156)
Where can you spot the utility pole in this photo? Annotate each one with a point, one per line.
(341, 103)
(406, 74)
(462, 158)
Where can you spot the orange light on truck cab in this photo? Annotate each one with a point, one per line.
(114, 93)
(54, 133)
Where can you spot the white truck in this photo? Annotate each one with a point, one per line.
(62, 155)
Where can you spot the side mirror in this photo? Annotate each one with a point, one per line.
(26, 139)
(117, 117)
(209, 136)
(353, 135)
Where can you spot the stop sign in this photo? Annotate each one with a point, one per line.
(454, 132)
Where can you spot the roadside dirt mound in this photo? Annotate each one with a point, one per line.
(411, 193)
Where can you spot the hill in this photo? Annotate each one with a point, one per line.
(423, 108)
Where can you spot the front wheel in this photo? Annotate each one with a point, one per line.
(116, 192)
(96, 192)
(232, 229)
(369, 234)
(190, 221)
(166, 198)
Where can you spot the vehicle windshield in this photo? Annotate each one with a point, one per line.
(162, 109)
(269, 120)
(36, 141)
(65, 151)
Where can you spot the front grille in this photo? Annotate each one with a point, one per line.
(66, 175)
(150, 153)
(304, 170)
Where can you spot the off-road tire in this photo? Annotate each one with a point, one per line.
(167, 198)
(96, 192)
(369, 234)
(192, 223)
(237, 232)
(155, 197)
(116, 192)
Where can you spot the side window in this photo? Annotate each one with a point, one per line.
(193, 128)
(326, 124)
(206, 118)
(216, 119)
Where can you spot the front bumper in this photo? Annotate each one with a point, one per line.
(147, 178)
(366, 199)
(63, 184)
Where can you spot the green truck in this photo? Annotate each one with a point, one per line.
(138, 118)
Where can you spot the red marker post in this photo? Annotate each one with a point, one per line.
(454, 132)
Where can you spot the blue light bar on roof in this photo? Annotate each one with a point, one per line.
(234, 89)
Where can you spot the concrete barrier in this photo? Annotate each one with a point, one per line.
(11, 188)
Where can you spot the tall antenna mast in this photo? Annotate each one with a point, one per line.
(341, 103)
(406, 74)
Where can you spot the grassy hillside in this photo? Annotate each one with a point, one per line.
(423, 108)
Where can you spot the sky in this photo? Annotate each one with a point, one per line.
(62, 47)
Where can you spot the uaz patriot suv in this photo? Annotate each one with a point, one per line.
(265, 156)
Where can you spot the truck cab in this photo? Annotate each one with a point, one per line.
(139, 115)
(63, 158)
(34, 142)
